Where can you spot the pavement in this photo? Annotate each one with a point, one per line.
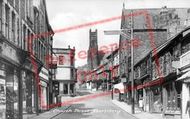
(138, 113)
(56, 111)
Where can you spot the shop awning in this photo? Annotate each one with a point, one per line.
(120, 87)
(184, 77)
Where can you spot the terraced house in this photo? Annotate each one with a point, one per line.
(24, 69)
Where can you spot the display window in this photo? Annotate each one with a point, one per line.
(2, 98)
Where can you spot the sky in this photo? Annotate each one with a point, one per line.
(69, 13)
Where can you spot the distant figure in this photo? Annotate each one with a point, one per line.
(188, 108)
(141, 103)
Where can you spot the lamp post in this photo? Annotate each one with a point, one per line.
(121, 32)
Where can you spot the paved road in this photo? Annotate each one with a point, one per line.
(98, 108)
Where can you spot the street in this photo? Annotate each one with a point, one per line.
(98, 108)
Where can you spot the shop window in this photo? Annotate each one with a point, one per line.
(16, 96)
(11, 94)
(157, 105)
(172, 102)
(2, 97)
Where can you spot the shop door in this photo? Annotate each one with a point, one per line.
(9, 95)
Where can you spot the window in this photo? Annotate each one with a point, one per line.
(1, 9)
(18, 34)
(7, 18)
(23, 36)
(28, 8)
(129, 62)
(61, 60)
(28, 41)
(13, 27)
(17, 5)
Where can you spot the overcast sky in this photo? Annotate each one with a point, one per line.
(68, 13)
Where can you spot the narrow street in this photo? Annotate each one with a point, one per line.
(98, 108)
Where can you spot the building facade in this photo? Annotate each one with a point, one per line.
(22, 58)
(65, 73)
(154, 76)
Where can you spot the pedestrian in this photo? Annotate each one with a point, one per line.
(141, 103)
(188, 108)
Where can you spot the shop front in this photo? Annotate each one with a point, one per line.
(28, 93)
(172, 98)
(9, 93)
(29, 88)
(185, 80)
(156, 99)
(44, 82)
(43, 100)
(146, 95)
(10, 70)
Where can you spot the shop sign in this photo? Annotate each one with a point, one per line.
(10, 52)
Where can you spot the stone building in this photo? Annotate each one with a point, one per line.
(65, 73)
(92, 59)
(22, 56)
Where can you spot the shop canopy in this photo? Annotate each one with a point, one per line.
(120, 87)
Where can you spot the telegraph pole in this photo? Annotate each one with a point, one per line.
(132, 65)
(112, 59)
(131, 37)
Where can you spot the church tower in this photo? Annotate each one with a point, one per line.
(93, 50)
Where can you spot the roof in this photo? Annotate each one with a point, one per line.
(169, 41)
(147, 42)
